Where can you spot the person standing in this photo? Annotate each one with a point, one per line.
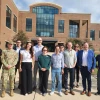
(98, 74)
(26, 67)
(57, 65)
(61, 51)
(9, 59)
(70, 60)
(17, 48)
(44, 62)
(87, 63)
(77, 69)
(37, 51)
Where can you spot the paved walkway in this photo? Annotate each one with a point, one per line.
(37, 96)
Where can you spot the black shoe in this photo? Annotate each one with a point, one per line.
(34, 88)
(63, 86)
(97, 93)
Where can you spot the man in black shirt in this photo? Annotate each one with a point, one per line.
(98, 74)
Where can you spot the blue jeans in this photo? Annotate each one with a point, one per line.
(56, 73)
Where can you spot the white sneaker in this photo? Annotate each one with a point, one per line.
(26, 94)
(44, 94)
(41, 93)
(60, 93)
(51, 93)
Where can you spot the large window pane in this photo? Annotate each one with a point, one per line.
(45, 20)
(61, 26)
(28, 24)
(8, 17)
(92, 34)
(15, 23)
(73, 29)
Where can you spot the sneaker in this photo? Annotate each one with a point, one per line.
(51, 93)
(41, 93)
(44, 94)
(26, 94)
(60, 93)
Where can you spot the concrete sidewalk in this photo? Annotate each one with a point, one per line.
(36, 95)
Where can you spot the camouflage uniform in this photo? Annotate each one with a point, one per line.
(9, 58)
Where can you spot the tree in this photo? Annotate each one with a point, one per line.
(21, 36)
(75, 41)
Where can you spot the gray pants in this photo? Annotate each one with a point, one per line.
(35, 73)
(98, 81)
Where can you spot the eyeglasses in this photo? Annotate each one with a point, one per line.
(44, 50)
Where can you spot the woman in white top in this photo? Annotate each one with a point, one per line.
(26, 66)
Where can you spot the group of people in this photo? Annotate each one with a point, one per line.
(65, 60)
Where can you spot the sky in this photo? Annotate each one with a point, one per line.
(68, 6)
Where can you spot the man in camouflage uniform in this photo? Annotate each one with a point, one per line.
(9, 59)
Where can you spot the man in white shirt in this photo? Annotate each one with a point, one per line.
(87, 63)
(37, 52)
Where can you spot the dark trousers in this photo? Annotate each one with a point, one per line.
(98, 80)
(76, 74)
(71, 71)
(0, 65)
(86, 75)
(26, 78)
(43, 75)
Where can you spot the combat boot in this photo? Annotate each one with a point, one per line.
(11, 93)
(3, 94)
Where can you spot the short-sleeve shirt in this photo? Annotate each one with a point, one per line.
(26, 56)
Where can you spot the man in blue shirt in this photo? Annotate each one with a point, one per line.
(57, 62)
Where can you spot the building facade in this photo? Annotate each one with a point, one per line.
(46, 20)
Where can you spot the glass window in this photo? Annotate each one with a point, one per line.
(99, 34)
(61, 26)
(8, 17)
(45, 20)
(92, 35)
(28, 24)
(15, 23)
(73, 29)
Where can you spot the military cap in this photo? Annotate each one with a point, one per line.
(28, 41)
(10, 42)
